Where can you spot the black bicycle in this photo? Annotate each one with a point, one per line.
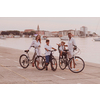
(25, 60)
(52, 61)
(75, 64)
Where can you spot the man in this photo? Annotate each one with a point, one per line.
(71, 47)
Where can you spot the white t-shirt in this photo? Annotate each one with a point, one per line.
(49, 48)
(71, 43)
(61, 48)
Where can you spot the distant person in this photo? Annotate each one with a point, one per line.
(47, 52)
(71, 47)
(36, 43)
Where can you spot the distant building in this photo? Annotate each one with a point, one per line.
(38, 28)
(84, 31)
(47, 33)
(28, 30)
(65, 32)
(55, 33)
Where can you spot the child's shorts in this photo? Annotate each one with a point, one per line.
(47, 58)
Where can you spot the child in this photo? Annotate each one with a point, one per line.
(61, 48)
(47, 52)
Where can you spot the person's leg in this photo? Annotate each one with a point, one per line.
(33, 59)
(47, 62)
(38, 54)
(74, 63)
(69, 56)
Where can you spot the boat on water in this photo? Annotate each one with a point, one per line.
(42, 37)
(64, 38)
(1, 37)
(16, 36)
(97, 39)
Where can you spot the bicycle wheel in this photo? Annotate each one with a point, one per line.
(53, 64)
(24, 61)
(39, 62)
(77, 64)
(62, 63)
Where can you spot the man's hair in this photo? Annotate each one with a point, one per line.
(47, 40)
(69, 33)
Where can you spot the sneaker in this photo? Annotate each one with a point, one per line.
(73, 69)
(67, 67)
(46, 68)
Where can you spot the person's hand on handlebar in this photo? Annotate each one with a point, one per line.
(27, 50)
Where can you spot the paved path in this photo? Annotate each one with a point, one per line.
(12, 73)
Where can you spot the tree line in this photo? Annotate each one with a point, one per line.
(17, 33)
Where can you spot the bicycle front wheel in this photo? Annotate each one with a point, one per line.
(39, 60)
(76, 64)
(24, 61)
(53, 64)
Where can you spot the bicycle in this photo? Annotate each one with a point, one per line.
(25, 60)
(78, 62)
(53, 61)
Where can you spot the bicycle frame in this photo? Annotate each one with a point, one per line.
(33, 58)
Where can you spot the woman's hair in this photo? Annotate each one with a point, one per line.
(39, 38)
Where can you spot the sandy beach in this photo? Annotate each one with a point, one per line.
(12, 73)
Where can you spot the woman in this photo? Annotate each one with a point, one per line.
(37, 44)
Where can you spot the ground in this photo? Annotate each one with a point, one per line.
(12, 73)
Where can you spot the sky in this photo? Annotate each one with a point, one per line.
(50, 23)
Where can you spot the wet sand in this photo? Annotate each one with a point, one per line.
(12, 73)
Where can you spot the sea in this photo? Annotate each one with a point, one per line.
(89, 49)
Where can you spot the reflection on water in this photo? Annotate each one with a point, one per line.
(90, 50)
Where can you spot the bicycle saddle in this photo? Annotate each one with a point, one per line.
(66, 50)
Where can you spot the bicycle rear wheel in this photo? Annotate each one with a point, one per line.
(53, 64)
(24, 61)
(76, 64)
(62, 63)
(39, 62)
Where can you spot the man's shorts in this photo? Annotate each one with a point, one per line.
(47, 58)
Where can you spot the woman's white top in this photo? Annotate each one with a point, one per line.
(36, 44)
(49, 48)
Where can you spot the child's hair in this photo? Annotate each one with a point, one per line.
(63, 42)
(47, 40)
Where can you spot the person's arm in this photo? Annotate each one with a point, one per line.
(58, 44)
(74, 44)
(66, 45)
(31, 45)
(46, 49)
(54, 48)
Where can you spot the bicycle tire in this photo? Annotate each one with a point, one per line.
(23, 61)
(54, 62)
(41, 67)
(62, 63)
(77, 70)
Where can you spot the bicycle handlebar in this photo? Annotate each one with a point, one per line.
(51, 50)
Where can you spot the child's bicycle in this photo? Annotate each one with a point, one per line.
(75, 64)
(52, 61)
(25, 60)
